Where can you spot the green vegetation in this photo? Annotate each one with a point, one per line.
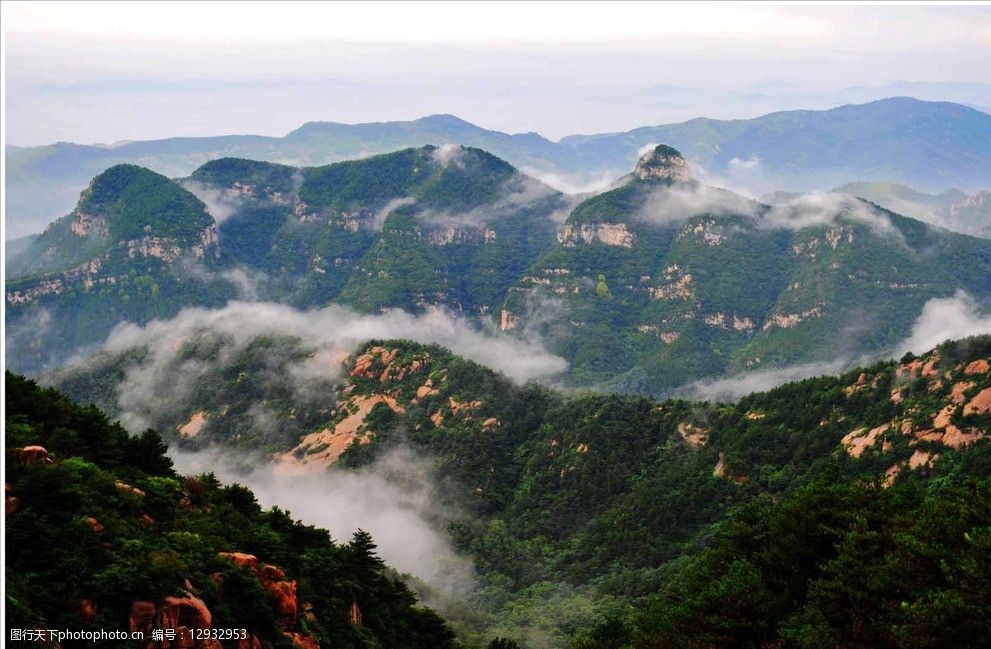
(107, 523)
(619, 521)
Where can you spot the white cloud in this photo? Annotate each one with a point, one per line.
(732, 388)
(679, 203)
(750, 164)
(396, 499)
(151, 388)
(825, 208)
(220, 203)
(945, 319)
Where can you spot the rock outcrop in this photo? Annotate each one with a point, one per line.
(663, 163)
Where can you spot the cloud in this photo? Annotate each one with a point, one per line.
(396, 499)
(517, 194)
(221, 204)
(379, 219)
(750, 164)
(732, 388)
(448, 154)
(163, 370)
(941, 319)
(678, 203)
(246, 282)
(825, 208)
(944, 319)
(576, 184)
(645, 149)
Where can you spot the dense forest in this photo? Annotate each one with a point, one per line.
(103, 534)
(836, 511)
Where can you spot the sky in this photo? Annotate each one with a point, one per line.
(107, 72)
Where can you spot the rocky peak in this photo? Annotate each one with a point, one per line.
(663, 163)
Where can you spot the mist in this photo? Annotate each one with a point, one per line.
(944, 319)
(395, 498)
(733, 388)
(160, 377)
(221, 204)
(941, 319)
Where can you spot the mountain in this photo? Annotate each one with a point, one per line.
(135, 248)
(665, 280)
(447, 227)
(656, 283)
(102, 533)
(952, 209)
(606, 516)
(930, 145)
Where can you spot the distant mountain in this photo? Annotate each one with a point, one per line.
(433, 226)
(664, 280)
(930, 145)
(658, 282)
(952, 209)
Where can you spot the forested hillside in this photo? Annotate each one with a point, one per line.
(103, 534)
(654, 284)
(675, 523)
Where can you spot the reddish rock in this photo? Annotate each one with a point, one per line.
(272, 573)
(142, 615)
(94, 525)
(977, 367)
(944, 417)
(240, 559)
(355, 613)
(189, 612)
(147, 520)
(123, 487)
(32, 455)
(301, 641)
(12, 503)
(959, 388)
(286, 604)
(980, 404)
(86, 609)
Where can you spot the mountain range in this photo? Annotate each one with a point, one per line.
(928, 145)
(656, 283)
(602, 520)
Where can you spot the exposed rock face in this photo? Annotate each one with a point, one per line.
(240, 559)
(195, 424)
(301, 641)
(663, 163)
(272, 579)
(142, 616)
(187, 612)
(32, 455)
(87, 609)
(692, 434)
(507, 321)
(327, 444)
(12, 503)
(284, 592)
(977, 367)
(610, 234)
(980, 404)
(86, 224)
(858, 441)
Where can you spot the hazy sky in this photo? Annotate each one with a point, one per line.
(104, 72)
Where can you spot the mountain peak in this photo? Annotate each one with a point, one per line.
(664, 163)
